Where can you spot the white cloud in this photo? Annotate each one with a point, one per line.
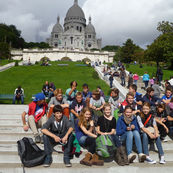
(117, 20)
(114, 20)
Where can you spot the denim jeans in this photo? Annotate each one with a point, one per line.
(49, 143)
(116, 140)
(146, 83)
(21, 98)
(145, 145)
(135, 82)
(128, 136)
(123, 82)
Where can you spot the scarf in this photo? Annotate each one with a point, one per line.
(128, 120)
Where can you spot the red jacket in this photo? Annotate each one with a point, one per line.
(32, 108)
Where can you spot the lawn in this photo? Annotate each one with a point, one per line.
(150, 69)
(5, 61)
(32, 78)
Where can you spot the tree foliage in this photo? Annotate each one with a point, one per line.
(111, 48)
(161, 50)
(4, 50)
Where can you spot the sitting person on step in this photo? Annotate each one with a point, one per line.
(57, 130)
(36, 111)
(84, 129)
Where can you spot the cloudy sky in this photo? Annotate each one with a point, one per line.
(114, 20)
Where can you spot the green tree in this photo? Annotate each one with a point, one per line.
(111, 48)
(161, 50)
(127, 51)
(4, 50)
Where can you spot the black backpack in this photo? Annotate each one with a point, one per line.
(30, 154)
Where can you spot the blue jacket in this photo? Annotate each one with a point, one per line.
(122, 126)
(151, 100)
(146, 77)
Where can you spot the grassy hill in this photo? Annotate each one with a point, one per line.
(32, 78)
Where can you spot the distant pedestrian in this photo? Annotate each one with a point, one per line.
(123, 77)
(130, 79)
(111, 78)
(135, 79)
(146, 79)
(159, 75)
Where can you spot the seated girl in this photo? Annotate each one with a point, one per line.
(149, 129)
(107, 126)
(84, 129)
(129, 101)
(96, 104)
(127, 129)
(161, 120)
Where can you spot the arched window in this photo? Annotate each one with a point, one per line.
(80, 29)
(56, 35)
(77, 27)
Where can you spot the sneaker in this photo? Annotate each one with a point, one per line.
(141, 157)
(37, 139)
(162, 160)
(149, 160)
(67, 164)
(131, 157)
(47, 161)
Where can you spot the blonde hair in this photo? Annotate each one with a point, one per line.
(58, 91)
(82, 120)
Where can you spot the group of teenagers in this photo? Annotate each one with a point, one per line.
(130, 124)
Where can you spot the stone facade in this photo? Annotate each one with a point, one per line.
(56, 54)
(75, 34)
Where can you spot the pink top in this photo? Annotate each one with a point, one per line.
(135, 77)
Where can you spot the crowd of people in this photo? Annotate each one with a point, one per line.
(86, 116)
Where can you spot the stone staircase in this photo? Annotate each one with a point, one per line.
(11, 131)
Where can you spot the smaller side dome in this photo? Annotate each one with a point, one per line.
(57, 27)
(90, 28)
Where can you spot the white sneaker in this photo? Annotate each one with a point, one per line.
(141, 157)
(150, 161)
(131, 157)
(162, 160)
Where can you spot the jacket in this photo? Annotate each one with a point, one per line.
(32, 108)
(122, 126)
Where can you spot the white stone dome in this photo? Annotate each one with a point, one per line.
(90, 28)
(75, 14)
(57, 27)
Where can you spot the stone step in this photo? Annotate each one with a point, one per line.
(10, 116)
(14, 129)
(78, 168)
(11, 122)
(6, 146)
(13, 137)
(12, 157)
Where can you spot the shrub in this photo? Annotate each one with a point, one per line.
(95, 75)
(85, 60)
(45, 59)
(66, 59)
(16, 63)
(36, 62)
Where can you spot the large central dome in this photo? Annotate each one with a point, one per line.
(75, 14)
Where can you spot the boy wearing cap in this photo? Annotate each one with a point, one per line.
(36, 111)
